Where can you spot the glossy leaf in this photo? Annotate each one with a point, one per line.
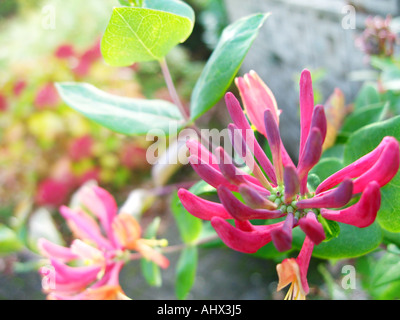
(123, 115)
(150, 270)
(9, 241)
(351, 242)
(362, 117)
(364, 141)
(224, 63)
(368, 95)
(148, 33)
(326, 167)
(186, 272)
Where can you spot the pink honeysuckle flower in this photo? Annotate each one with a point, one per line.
(99, 251)
(279, 189)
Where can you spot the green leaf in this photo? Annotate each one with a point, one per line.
(224, 63)
(362, 117)
(352, 242)
(364, 141)
(202, 187)
(368, 95)
(9, 241)
(186, 272)
(150, 270)
(147, 33)
(326, 167)
(386, 270)
(189, 226)
(123, 115)
(331, 228)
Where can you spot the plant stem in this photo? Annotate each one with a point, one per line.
(178, 247)
(172, 90)
(175, 98)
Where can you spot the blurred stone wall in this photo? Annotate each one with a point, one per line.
(307, 34)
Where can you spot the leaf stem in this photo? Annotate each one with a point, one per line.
(175, 98)
(178, 247)
(172, 89)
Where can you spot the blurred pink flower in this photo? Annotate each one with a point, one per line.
(19, 87)
(65, 51)
(46, 97)
(52, 192)
(102, 246)
(86, 59)
(3, 103)
(81, 148)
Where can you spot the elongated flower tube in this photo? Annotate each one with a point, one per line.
(257, 98)
(363, 213)
(240, 211)
(274, 140)
(368, 167)
(249, 241)
(90, 267)
(294, 272)
(282, 237)
(279, 189)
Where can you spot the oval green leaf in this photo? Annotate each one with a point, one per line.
(224, 63)
(352, 242)
(189, 226)
(147, 33)
(9, 241)
(150, 270)
(123, 115)
(186, 272)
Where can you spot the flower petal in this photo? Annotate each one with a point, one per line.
(312, 228)
(282, 237)
(209, 174)
(200, 151)
(363, 213)
(240, 211)
(85, 227)
(247, 133)
(383, 170)
(274, 141)
(312, 153)
(55, 251)
(254, 199)
(357, 168)
(236, 239)
(227, 168)
(257, 98)
(202, 208)
(335, 198)
(291, 182)
(306, 108)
